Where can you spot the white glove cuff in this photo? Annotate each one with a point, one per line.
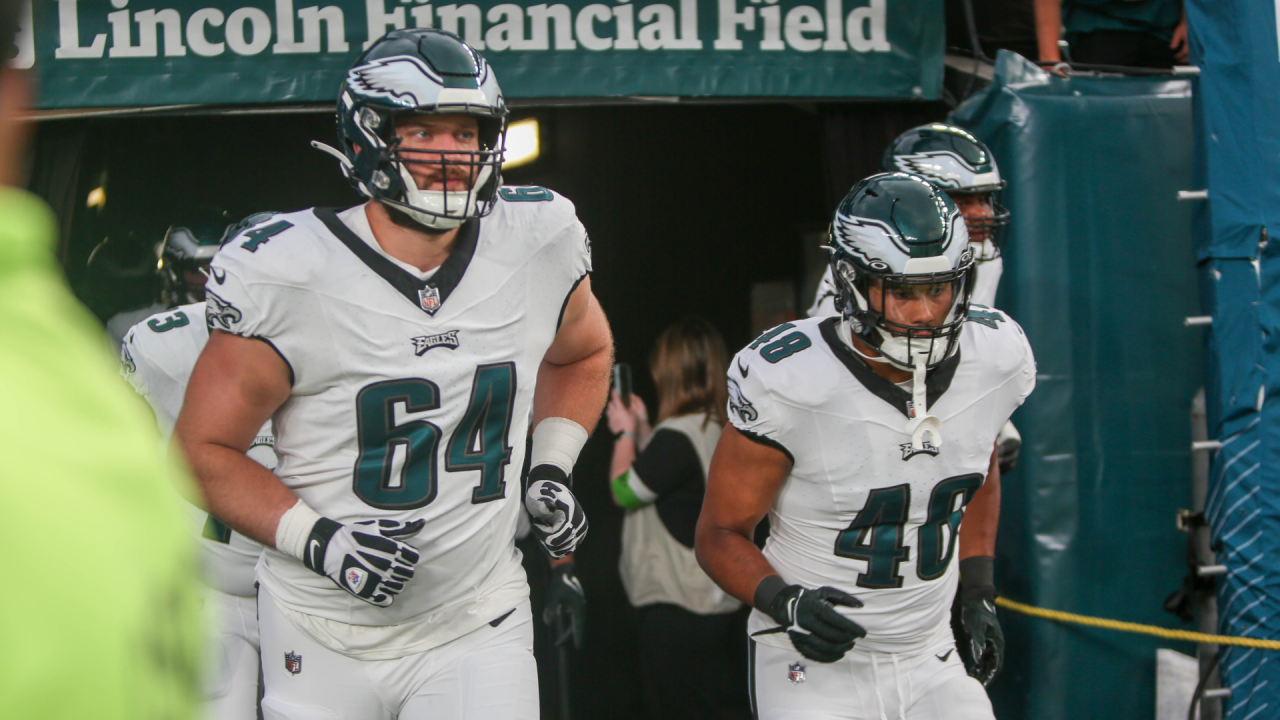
(294, 529)
(557, 441)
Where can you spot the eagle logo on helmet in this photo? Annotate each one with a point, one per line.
(948, 169)
(404, 80)
(855, 234)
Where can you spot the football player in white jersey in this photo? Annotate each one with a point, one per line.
(156, 358)
(964, 167)
(399, 346)
(867, 437)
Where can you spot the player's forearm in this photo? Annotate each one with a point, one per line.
(982, 517)
(624, 453)
(239, 492)
(1048, 29)
(732, 560)
(576, 390)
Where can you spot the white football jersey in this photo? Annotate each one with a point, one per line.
(156, 358)
(985, 283)
(411, 398)
(862, 510)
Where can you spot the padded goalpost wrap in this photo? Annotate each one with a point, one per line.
(1237, 97)
(1100, 273)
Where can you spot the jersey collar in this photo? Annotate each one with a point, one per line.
(435, 289)
(936, 382)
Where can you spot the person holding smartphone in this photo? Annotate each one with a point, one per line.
(690, 630)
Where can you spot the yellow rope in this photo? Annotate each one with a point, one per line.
(1187, 635)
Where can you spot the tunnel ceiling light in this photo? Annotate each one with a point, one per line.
(522, 143)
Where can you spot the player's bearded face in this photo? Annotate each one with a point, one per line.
(912, 305)
(436, 150)
(975, 206)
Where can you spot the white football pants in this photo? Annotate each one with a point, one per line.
(231, 665)
(865, 685)
(487, 673)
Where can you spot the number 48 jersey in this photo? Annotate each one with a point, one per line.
(411, 394)
(863, 510)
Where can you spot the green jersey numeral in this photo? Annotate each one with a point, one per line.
(176, 320)
(258, 236)
(876, 534)
(530, 193)
(396, 469)
(480, 442)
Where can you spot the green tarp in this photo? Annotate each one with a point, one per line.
(1100, 271)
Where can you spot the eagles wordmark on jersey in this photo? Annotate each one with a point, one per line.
(411, 393)
(862, 510)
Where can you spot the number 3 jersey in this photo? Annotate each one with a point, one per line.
(157, 357)
(411, 398)
(863, 510)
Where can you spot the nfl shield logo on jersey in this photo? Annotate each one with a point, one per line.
(429, 298)
(795, 673)
(293, 663)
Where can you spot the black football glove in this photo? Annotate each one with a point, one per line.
(565, 612)
(558, 519)
(983, 649)
(809, 618)
(367, 559)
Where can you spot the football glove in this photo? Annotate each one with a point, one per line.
(810, 619)
(367, 559)
(983, 647)
(567, 602)
(558, 520)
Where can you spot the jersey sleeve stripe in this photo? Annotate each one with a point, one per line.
(272, 345)
(767, 441)
(564, 305)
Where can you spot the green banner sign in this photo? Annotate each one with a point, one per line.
(110, 53)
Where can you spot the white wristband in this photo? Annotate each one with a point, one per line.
(557, 441)
(294, 529)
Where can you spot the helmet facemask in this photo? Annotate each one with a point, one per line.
(392, 183)
(900, 344)
(987, 233)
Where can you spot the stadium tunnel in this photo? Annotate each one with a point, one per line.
(694, 208)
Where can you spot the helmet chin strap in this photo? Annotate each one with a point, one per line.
(920, 422)
(450, 207)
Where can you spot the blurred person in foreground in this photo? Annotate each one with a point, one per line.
(156, 358)
(690, 632)
(101, 621)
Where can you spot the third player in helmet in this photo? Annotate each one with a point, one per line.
(961, 165)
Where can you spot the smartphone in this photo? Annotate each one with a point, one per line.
(622, 382)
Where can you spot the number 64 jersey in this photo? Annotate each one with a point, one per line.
(411, 399)
(863, 510)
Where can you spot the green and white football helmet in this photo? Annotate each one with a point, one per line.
(899, 235)
(185, 252)
(898, 229)
(960, 164)
(420, 71)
